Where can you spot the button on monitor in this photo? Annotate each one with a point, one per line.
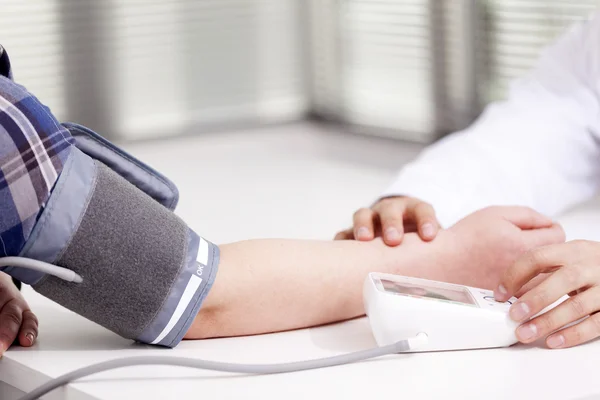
(492, 299)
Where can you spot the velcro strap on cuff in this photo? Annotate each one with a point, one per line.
(145, 272)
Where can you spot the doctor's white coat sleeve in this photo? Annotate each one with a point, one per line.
(538, 148)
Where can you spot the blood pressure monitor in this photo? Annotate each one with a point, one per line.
(453, 317)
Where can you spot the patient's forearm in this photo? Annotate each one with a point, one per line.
(273, 285)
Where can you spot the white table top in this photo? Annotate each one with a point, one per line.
(319, 180)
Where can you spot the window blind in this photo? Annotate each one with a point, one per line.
(184, 64)
(31, 33)
(411, 69)
(461, 69)
(518, 30)
(388, 66)
(141, 68)
(418, 69)
(324, 58)
(399, 69)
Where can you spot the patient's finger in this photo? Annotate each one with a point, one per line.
(11, 317)
(29, 329)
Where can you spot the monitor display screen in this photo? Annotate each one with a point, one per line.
(439, 292)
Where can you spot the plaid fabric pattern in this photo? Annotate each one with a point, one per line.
(33, 149)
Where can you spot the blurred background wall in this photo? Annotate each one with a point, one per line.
(406, 69)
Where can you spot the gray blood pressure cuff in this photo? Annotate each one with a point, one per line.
(110, 219)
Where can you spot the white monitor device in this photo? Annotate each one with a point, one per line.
(454, 317)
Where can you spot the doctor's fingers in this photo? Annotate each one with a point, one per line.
(364, 224)
(544, 236)
(532, 284)
(544, 259)
(423, 216)
(571, 310)
(523, 217)
(347, 234)
(391, 214)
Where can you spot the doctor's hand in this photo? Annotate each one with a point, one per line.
(478, 249)
(390, 218)
(572, 268)
(16, 319)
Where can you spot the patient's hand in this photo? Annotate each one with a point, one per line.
(16, 319)
(479, 248)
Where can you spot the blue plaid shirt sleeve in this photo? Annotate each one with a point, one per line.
(34, 146)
